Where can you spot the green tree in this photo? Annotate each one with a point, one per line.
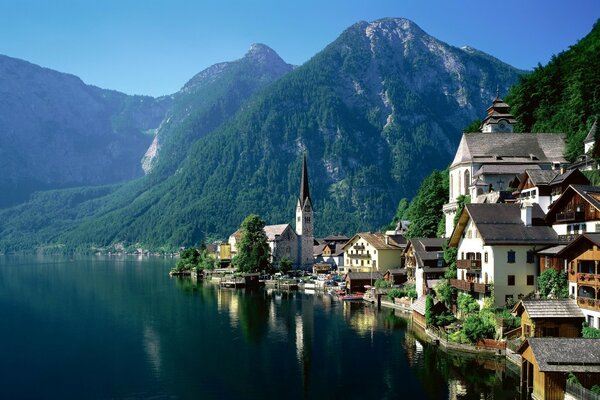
(188, 259)
(425, 210)
(429, 317)
(381, 284)
(285, 264)
(554, 284)
(477, 327)
(474, 126)
(253, 250)
(467, 305)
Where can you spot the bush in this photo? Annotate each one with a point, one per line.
(590, 332)
(477, 327)
(466, 304)
(381, 284)
(395, 293)
(595, 389)
(510, 321)
(444, 319)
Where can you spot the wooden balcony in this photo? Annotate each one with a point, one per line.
(567, 238)
(465, 286)
(469, 264)
(358, 247)
(481, 288)
(588, 303)
(570, 216)
(588, 279)
(363, 256)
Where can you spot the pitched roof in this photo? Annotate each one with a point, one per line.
(549, 308)
(541, 176)
(364, 275)
(570, 174)
(503, 169)
(377, 240)
(336, 238)
(591, 136)
(419, 305)
(507, 148)
(593, 238)
(273, 230)
(396, 271)
(304, 189)
(554, 354)
(501, 224)
(591, 194)
(551, 251)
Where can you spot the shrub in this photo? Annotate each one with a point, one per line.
(477, 327)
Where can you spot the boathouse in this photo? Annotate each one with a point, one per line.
(549, 317)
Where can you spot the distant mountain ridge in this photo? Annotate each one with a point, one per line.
(374, 112)
(56, 131)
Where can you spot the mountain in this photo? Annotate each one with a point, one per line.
(562, 96)
(374, 112)
(56, 131)
(207, 101)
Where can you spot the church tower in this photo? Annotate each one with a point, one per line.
(304, 221)
(498, 118)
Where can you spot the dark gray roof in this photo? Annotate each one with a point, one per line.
(594, 238)
(541, 176)
(503, 169)
(502, 224)
(364, 275)
(397, 271)
(565, 354)
(507, 148)
(549, 308)
(428, 244)
(336, 238)
(592, 133)
(567, 175)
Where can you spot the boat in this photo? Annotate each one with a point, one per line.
(351, 297)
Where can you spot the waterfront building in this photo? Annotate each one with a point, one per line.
(330, 251)
(496, 243)
(356, 281)
(546, 363)
(284, 241)
(487, 164)
(549, 318)
(418, 310)
(373, 251)
(424, 260)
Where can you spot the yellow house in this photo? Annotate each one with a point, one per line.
(368, 251)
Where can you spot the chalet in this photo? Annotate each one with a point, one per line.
(331, 253)
(496, 244)
(356, 281)
(583, 258)
(545, 186)
(575, 212)
(368, 251)
(418, 310)
(546, 362)
(549, 258)
(424, 260)
(549, 317)
(395, 276)
(493, 159)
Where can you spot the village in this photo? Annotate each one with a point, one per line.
(516, 274)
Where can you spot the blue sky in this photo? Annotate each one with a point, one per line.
(154, 47)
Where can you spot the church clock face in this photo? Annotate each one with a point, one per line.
(502, 125)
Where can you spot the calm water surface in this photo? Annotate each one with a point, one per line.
(121, 328)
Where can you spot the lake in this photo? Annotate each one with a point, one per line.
(121, 328)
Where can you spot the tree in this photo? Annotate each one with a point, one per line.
(474, 126)
(285, 264)
(553, 284)
(188, 259)
(477, 327)
(467, 305)
(429, 317)
(425, 210)
(253, 251)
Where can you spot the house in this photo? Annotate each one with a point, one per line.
(549, 258)
(418, 310)
(492, 160)
(356, 281)
(331, 253)
(368, 251)
(549, 317)
(546, 362)
(496, 243)
(545, 186)
(395, 276)
(424, 260)
(284, 241)
(575, 212)
(582, 257)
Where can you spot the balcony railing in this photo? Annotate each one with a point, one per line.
(465, 286)
(481, 288)
(359, 256)
(567, 238)
(468, 264)
(570, 216)
(588, 303)
(588, 279)
(358, 247)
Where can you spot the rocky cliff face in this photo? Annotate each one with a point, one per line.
(56, 131)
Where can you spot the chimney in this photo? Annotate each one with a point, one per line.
(387, 240)
(526, 213)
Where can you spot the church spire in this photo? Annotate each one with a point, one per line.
(304, 190)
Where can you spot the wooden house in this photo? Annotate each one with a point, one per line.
(546, 362)
(549, 317)
(575, 212)
(356, 281)
(395, 276)
(418, 310)
(424, 260)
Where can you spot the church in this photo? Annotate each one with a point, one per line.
(286, 242)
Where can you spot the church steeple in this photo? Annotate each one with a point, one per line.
(304, 189)
(498, 118)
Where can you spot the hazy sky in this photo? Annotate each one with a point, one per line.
(154, 46)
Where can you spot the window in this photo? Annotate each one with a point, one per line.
(510, 257)
(583, 228)
(511, 281)
(485, 257)
(462, 255)
(573, 290)
(467, 181)
(597, 227)
(590, 321)
(529, 280)
(530, 256)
